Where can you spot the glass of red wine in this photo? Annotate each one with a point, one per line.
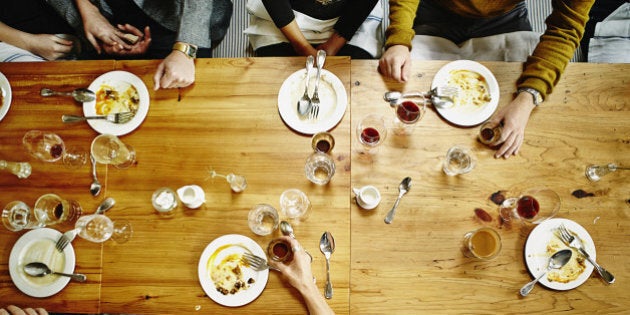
(371, 132)
(407, 114)
(48, 147)
(532, 205)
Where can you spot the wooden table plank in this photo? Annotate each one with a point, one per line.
(415, 264)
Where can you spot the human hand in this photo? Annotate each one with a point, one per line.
(48, 46)
(98, 30)
(514, 117)
(175, 71)
(297, 272)
(14, 310)
(396, 63)
(138, 48)
(333, 44)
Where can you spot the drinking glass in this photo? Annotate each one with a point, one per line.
(295, 204)
(164, 201)
(280, 250)
(407, 114)
(51, 209)
(322, 142)
(483, 243)
(595, 172)
(532, 205)
(49, 147)
(20, 169)
(99, 228)
(108, 149)
(17, 216)
(371, 132)
(263, 219)
(319, 168)
(490, 134)
(459, 160)
(237, 182)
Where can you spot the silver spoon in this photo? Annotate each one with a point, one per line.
(403, 188)
(287, 230)
(81, 95)
(557, 260)
(37, 269)
(304, 103)
(95, 187)
(327, 246)
(394, 96)
(107, 204)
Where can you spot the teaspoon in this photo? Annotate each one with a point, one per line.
(81, 95)
(107, 204)
(327, 246)
(37, 269)
(95, 187)
(403, 188)
(287, 230)
(556, 261)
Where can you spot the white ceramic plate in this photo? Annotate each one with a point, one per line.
(5, 89)
(332, 96)
(468, 115)
(114, 78)
(537, 258)
(39, 246)
(215, 252)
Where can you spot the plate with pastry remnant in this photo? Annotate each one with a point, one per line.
(478, 92)
(116, 92)
(543, 241)
(224, 276)
(5, 96)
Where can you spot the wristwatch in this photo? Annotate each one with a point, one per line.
(188, 49)
(535, 94)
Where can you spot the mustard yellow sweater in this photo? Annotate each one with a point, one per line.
(542, 70)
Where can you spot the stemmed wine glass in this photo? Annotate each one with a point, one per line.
(99, 228)
(371, 132)
(532, 205)
(49, 147)
(17, 216)
(237, 182)
(407, 114)
(595, 172)
(108, 149)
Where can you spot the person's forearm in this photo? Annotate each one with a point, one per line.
(401, 16)
(13, 36)
(314, 300)
(293, 33)
(85, 7)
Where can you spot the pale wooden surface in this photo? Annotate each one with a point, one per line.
(415, 266)
(229, 121)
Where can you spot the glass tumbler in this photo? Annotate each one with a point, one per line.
(17, 216)
(51, 209)
(295, 204)
(459, 160)
(263, 219)
(319, 168)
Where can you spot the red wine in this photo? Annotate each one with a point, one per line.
(370, 135)
(408, 112)
(527, 207)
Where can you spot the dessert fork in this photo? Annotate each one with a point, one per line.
(256, 262)
(117, 118)
(321, 58)
(66, 238)
(569, 239)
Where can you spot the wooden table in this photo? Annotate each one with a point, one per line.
(415, 265)
(228, 121)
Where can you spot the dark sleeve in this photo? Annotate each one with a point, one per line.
(352, 16)
(280, 11)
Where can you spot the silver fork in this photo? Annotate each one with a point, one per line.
(256, 262)
(117, 118)
(66, 238)
(568, 238)
(445, 91)
(321, 58)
